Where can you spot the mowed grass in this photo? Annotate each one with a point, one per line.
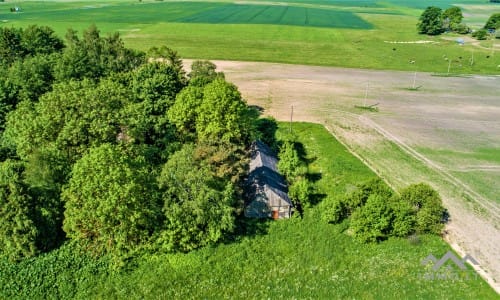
(478, 169)
(331, 33)
(297, 258)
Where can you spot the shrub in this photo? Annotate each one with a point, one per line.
(480, 34)
(427, 205)
(372, 222)
(334, 210)
(300, 191)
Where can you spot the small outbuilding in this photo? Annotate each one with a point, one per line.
(267, 192)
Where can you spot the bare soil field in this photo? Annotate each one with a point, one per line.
(445, 133)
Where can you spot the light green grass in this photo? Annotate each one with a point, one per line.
(323, 32)
(479, 169)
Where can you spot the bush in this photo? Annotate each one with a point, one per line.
(461, 28)
(404, 220)
(428, 207)
(372, 222)
(334, 210)
(289, 164)
(300, 191)
(480, 34)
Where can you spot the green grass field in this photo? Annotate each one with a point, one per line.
(335, 33)
(297, 258)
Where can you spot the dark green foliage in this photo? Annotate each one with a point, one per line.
(198, 207)
(359, 197)
(493, 22)
(404, 222)
(10, 45)
(38, 40)
(18, 231)
(94, 56)
(69, 120)
(418, 209)
(452, 17)
(427, 205)
(266, 128)
(111, 201)
(430, 22)
(15, 44)
(154, 88)
(171, 57)
(480, 34)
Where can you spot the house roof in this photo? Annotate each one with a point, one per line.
(264, 177)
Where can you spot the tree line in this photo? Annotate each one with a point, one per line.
(435, 21)
(114, 149)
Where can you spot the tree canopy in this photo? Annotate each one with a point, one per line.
(493, 22)
(431, 22)
(113, 151)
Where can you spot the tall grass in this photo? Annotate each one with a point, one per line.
(297, 258)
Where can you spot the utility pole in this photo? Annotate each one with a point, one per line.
(472, 58)
(366, 92)
(291, 119)
(449, 66)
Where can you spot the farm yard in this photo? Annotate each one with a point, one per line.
(369, 98)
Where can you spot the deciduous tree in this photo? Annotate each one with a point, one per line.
(111, 201)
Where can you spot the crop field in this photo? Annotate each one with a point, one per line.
(445, 133)
(297, 258)
(360, 34)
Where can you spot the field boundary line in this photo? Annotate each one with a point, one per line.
(492, 209)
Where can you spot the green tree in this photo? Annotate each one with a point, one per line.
(198, 207)
(430, 22)
(203, 72)
(223, 115)
(40, 40)
(300, 191)
(493, 22)
(94, 57)
(373, 221)
(452, 17)
(404, 221)
(184, 111)
(289, 164)
(71, 118)
(171, 57)
(427, 205)
(18, 231)
(111, 201)
(10, 45)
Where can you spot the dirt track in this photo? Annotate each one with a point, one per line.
(445, 113)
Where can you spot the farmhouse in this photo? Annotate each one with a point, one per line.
(266, 188)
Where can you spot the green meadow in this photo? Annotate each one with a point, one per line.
(298, 258)
(358, 34)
